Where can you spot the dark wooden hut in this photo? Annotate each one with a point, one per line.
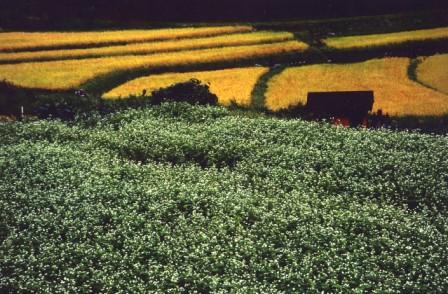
(352, 106)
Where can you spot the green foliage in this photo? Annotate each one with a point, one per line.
(192, 91)
(66, 106)
(177, 198)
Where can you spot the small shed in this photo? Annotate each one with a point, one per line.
(351, 106)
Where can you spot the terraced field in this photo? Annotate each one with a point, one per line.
(150, 47)
(375, 40)
(230, 85)
(67, 74)
(215, 55)
(187, 47)
(23, 41)
(395, 93)
(433, 71)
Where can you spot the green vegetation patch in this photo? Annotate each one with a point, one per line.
(191, 198)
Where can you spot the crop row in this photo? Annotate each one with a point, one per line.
(150, 47)
(23, 41)
(389, 39)
(67, 74)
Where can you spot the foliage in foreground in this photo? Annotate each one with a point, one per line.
(179, 197)
(191, 91)
(67, 106)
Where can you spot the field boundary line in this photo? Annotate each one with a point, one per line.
(259, 92)
(412, 74)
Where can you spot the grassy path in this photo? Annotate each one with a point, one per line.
(259, 91)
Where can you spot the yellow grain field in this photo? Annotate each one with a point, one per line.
(19, 41)
(230, 85)
(387, 77)
(153, 47)
(433, 71)
(68, 74)
(363, 41)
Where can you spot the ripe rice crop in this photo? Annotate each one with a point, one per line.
(433, 72)
(153, 47)
(394, 92)
(19, 41)
(67, 74)
(386, 39)
(230, 85)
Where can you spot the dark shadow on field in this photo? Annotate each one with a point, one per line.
(201, 158)
(423, 124)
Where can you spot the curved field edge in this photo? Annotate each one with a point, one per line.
(25, 41)
(432, 71)
(226, 40)
(234, 85)
(64, 75)
(122, 203)
(261, 87)
(377, 40)
(412, 73)
(394, 92)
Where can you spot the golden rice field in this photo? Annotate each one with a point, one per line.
(364, 41)
(394, 92)
(433, 71)
(230, 85)
(68, 74)
(19, 41)
(238, 39)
